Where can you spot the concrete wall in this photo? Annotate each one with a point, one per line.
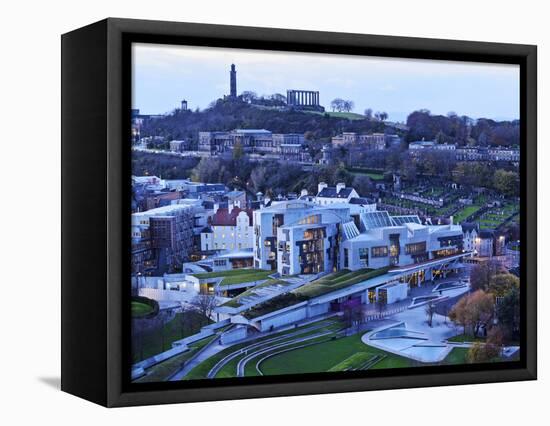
(171, 295)
(285, 318)
(235, 334)
(320, 309)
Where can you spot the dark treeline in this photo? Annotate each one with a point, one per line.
(225, 115)
(229, 115)
(274, 178)
(461, 130)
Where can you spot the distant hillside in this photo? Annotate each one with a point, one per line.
(227, 115)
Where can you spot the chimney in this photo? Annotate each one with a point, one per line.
(321, 186)
(451, 220)
(340, 186)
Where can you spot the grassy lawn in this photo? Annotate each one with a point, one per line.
(330, 283)
(466, 338)
(236, 301)
(140, 309)
(456, 356)
(323, 357)
(357, 360)
(201, 370)
(236, 276)
(465, 212)
(162, 372)
(348, 115)
(365, 172)
(153, 342)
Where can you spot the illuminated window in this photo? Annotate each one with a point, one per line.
(381, 251)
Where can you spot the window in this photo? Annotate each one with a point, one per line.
(364, 256)
(346, 258)
(415, 248)
(381, 251)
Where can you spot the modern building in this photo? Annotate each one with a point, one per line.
(377, 261)
(162, 238)
(382, 240)
(229, 229)
(268, 220)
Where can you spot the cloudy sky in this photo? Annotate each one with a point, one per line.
(164, 75)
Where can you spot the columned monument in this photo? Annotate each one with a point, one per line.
(303, 100)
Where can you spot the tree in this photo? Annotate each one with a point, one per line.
(204, 304)
(473, 311)
(480, 352)
(362, 184)
(430, 312)
(208, 170)
(381, 305)
(494, 342)
(337, 104)
(188, 320)
(482, 273)
(501, 284)
(238, 151)
(258, 178)
(348, 105)
(506, 182)
(508, 313)
(249, 96)
(477, 354)
(368, 114)
(278, 98)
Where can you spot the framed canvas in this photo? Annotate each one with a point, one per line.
(255, 212)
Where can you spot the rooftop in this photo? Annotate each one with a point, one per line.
(252, 131)
(331, 192)
(327, 284)
(225, 218)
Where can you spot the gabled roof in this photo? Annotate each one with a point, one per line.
(330, 192)
(224, 218)
(468, 226)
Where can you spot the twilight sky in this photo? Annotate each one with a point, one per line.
(163, 75)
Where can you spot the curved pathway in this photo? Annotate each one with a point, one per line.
(221, 363)
(242, 362)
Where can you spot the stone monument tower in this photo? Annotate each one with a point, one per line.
(233, 82)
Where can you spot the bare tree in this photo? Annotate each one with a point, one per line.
(430, 311)
(337, 105)
(348, 105)
(204, 304)
(381, 306)
(368, 113)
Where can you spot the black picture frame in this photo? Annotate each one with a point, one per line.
(96, 91)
